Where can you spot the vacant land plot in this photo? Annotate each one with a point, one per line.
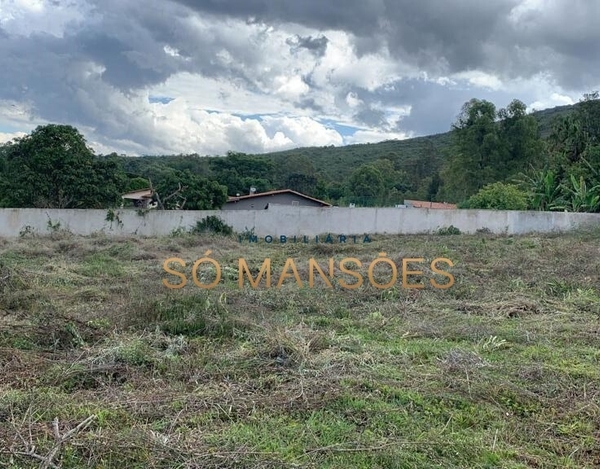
(101, 365)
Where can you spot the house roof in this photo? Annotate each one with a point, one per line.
(426, 204)
(139, 194)
(271, 193)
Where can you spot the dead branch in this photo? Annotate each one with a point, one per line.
(59, 441)
(161, 202)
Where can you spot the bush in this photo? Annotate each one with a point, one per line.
(498, 196)
(212, 224)
(450, 230)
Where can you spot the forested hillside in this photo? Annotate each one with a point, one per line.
(491, 158)
(386, 173)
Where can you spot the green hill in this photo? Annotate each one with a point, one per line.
(413, 168)
(335, 163)
(339, 162)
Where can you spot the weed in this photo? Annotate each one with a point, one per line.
(492, 343)
(27, 231)
(247, 234)
(212, 224)
(449, 230)
(113, 217)
(53, 226)
(178, 232)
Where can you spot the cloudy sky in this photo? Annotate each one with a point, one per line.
(209, 76)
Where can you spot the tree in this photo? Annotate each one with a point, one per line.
(498, 196)
(336, 190)
(366, 185)
(567, 139)
(136, 183)
(475, 149)
(298, 174)
(321, 189)
(239, 172)
(588, 114)
(54, 168)
(303, 183)
(187, 191)
(520, 140)
(489, 146)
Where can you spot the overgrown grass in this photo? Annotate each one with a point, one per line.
(502, 370)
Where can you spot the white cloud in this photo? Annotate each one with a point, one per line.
(36, 6)
(290, 87)
(374, 136)
(52, 17)
(303, 131)
(341, 67)
(480, 79)
(219, 68)
(7, 137)
(175, 127)
(553, 100)
(521, 10)
(353, 100)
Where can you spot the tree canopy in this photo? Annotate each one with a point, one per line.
(185, 190)
(490, 146)
(498, 196)
(54, 168)
(552, 155)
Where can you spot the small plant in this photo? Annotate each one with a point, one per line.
(53, 227)
(71, 329)
(484, 230)
(247, 234)
(492, 343)
(112, 216)
(449, 230)
(391, 294)
(178, 232)
(27, 231)
(212, 224)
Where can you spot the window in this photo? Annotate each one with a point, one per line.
(295, 203)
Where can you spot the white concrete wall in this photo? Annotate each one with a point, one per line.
(287, 220)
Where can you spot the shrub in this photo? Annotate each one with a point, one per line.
(212, 224)
(498, 196)
(450, 230)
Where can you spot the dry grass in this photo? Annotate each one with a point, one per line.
(103, 366)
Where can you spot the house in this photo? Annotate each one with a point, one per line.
(261, 200)
(425, 204)
(141, 198)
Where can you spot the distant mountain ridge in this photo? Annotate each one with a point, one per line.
(337, 163)
(410, 168)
